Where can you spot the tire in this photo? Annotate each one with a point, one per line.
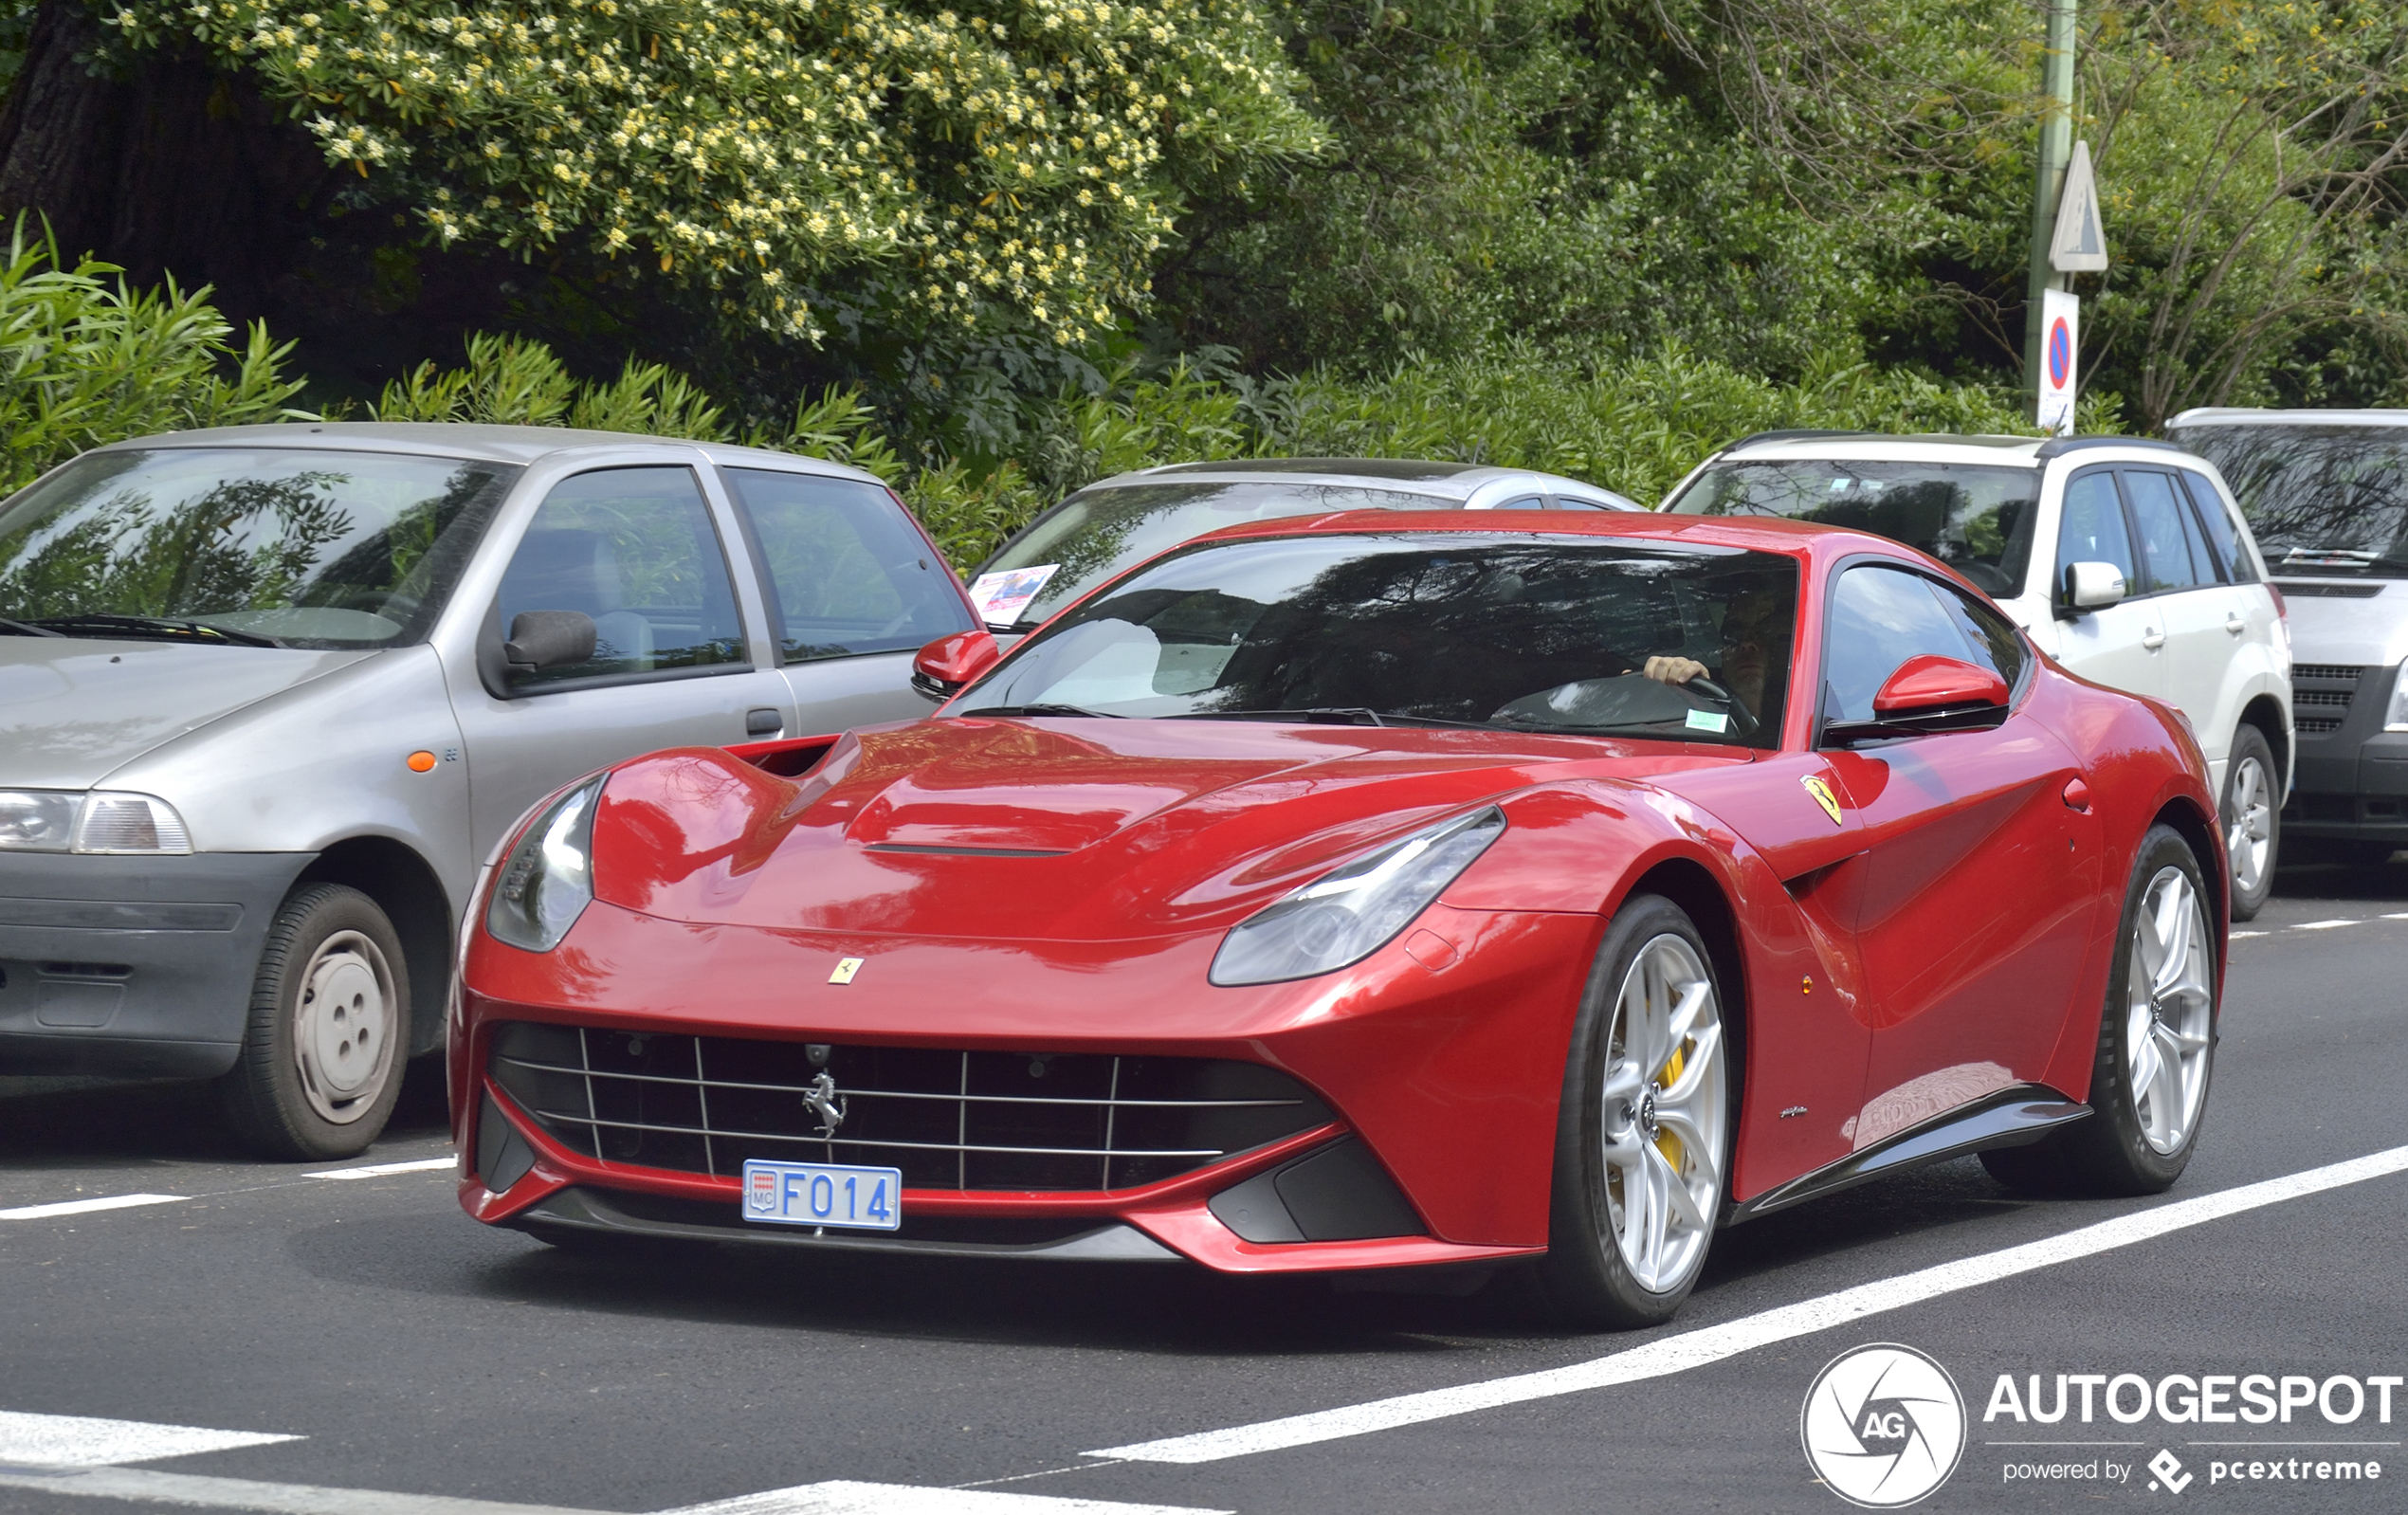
(1642, 1154)
(2150, 1074)
(2253, 820)
(323, 1052)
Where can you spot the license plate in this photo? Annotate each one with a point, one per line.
(823, 1194)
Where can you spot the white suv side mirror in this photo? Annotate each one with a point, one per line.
(2092, 586)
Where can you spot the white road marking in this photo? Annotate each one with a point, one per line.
(85, 1207)
(2398, 915)
(381, 1169)
(841, 1498)
(1695, 1349)
(836, 1498)
(2239, 936)
(83, 1441)
(2322, 926)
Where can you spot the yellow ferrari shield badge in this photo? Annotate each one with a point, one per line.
(1823, 796)
(845, 968)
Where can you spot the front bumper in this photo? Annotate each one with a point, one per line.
(132, 966)
(2351, 778)
(1444, 1081)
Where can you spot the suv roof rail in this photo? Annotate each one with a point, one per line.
(2059, 447)
(1797, 434)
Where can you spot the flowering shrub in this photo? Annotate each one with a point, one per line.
(1016, 154)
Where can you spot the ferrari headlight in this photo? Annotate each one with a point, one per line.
(43, 820)
(547, 880)
(1346, 914)
(2396, 717)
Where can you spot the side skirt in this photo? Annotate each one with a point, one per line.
(2010, 1118)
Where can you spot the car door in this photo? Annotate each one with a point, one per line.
(639, 550)
(2123, 645)
(1974, 906)
(853, 589)
(2178, 576)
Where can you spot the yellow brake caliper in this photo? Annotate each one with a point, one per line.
(1666, 1142)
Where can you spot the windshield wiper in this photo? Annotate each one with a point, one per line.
(99, 624)
(1348, 715)
(1039, 710)
(25, 629)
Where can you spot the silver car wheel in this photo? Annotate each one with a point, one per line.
(2170, 1012)
(1666, 1118)
(344, 1027)
(2250, 837)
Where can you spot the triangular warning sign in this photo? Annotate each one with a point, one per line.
(2079, 246)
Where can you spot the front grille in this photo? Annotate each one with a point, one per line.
(2329, 698)
(2315, 726)
(2327, 672)
(948, 1118)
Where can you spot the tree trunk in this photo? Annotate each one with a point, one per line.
(168, 166)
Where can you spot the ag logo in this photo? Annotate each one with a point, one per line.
(1882, 1425)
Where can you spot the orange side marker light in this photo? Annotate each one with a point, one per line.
(421, 762)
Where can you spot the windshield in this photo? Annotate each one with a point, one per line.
(273, 546)
(1097, 532)
(1976, 520)
(2330, 498)
(1509, 632)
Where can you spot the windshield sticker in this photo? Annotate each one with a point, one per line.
(1001, 598)
(1713, 721)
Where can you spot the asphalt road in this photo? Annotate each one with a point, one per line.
(414, 1353)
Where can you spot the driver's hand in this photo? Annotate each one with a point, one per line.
(1673, 669)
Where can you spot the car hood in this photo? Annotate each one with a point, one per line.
(1069, 830)
(73, 711)
(2354, 622)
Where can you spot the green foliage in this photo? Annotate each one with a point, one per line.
(1021, 156)
(84, 362)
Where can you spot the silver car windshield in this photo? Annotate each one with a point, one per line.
(1976, 520)
(263, 546)
(1457, 630)
(1097, 532)
(2321, 499)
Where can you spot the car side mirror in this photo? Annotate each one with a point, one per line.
(2090, 587)
(1926, 694)
(943, 666)
(549, 639)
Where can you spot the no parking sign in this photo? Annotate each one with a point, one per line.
(2060, 329)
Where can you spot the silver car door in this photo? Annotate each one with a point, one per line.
(2182, 577)
(2121, 644)
(639, 551)
(853, 589)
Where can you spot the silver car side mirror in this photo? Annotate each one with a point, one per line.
(2092, 586)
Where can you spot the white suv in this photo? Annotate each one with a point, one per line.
(2126, 560)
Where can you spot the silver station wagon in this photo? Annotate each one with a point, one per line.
(271, 695)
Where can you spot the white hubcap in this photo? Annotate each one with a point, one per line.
(2249, 833)
(1665, 1116)
(344, 1027)
(2170, 1012)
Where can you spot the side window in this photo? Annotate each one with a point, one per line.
(634, 549)
(1523, 502)
(2220, 531)
(1879, 618)
(2092, 530)
(847, 573)
(2167, 535)
(1991, 641)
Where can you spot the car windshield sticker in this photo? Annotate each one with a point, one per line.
(1001, 598)
(1713, 721)
(1824, 797)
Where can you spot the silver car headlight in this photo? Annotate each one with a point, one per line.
(547, 880)
(2396, 716)
(47, 820)
(1348, 913)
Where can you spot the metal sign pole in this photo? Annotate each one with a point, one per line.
(2057, 141)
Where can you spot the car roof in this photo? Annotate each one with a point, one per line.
(1768, 534)
(2241, 415)
(1445, 481)
(1882, 445)
(520, 445)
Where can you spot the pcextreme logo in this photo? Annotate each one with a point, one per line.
(1882, 1425)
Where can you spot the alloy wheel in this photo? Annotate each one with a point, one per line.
(2249, 837)
(1665, 1114)
(344, 1027)
(2170, 1012)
